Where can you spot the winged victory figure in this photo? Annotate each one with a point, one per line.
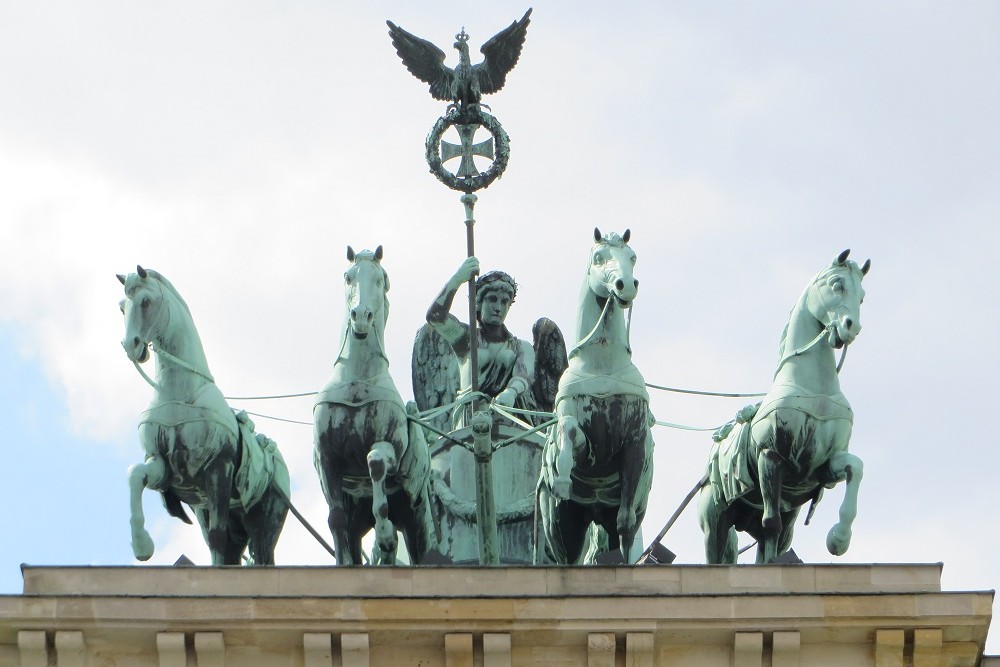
(528, 373)
(466, 83)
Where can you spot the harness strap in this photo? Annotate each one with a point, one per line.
(586, 339)
(171, 358)
(811, 344)
(145, 376)
(183, 364)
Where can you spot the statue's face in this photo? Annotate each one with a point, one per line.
(494, 307)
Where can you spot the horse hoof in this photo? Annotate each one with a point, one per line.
(838, 540)
(388, 550)
(561, 489)
(142, 546)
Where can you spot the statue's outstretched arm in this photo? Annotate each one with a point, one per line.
(439, 314)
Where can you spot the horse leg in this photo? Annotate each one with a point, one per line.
(237, 538)
(849, 467)
(219, 549)
(265, 521)
(569, 439)
(142, 475)
(382, 463)
(720, 535)
(419, 529)
(332, 483)
(636, 479)
(572, 526)
(784, 541)
(417, 524)
(218, 479)
(769, 469)
(547, 508)
(358, 522)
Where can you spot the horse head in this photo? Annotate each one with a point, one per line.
(146, 314)
(366, 284)
(835, 296)
(610, 268)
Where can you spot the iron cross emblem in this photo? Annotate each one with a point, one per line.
(466, 150)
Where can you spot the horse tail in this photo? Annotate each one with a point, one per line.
(173, 505)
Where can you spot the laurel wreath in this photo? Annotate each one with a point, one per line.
(501, 149)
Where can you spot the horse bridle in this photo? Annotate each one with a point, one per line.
(347, 328)
(163, 353)
(830, 328)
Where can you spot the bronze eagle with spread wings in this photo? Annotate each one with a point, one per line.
(467, 83)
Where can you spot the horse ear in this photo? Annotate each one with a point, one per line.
(120, 278)
(378, 253)
(842, 257)
(350, 254)
(141, 271)
(597, 235)
(867, 265)
(627, 235)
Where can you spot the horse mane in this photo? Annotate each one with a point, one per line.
(170, 287)
(160, 278)
(613, 239)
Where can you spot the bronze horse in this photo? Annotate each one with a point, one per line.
(373, 465)
(795, 444)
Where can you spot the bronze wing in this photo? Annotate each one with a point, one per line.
(424, 61)
(501, 53)
(550, 362)
(434, 369)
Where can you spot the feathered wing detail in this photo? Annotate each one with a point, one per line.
(501, 53)
(434, 369)
(550, 362)
(425, 61)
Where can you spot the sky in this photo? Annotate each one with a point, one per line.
(238, 148)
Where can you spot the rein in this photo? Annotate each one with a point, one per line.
(175, 360)
(586, 339)
(810, 345)
(600, 320)
(378, 339)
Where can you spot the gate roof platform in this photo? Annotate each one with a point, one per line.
(463, 616)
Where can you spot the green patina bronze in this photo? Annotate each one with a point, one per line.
(597, 464)
(372, 460)
(504, 482)
(778, 456)
(464, 87)
(506, 368)
(197, 450)
(508, 371)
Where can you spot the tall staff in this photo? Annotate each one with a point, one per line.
(464, 87)
(469, 200)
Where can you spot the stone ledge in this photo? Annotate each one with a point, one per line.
(403, 617)
(523, 581)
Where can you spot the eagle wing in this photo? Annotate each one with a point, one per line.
(501, 53)
(434, 369)
(424, 61)
(550, 362)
